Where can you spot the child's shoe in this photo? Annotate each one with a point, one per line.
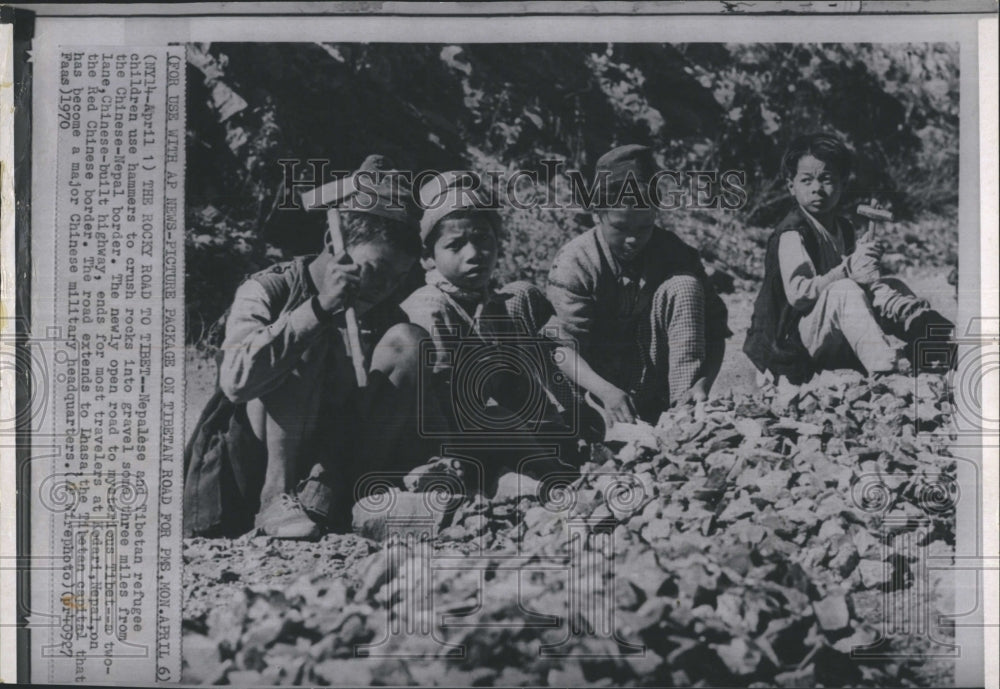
(284, 517)
(901, 366)
(932, 346)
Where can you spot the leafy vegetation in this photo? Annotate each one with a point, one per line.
(509, 107)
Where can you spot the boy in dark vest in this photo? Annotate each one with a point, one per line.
(279, 445)
(643, 326)
(824, 303)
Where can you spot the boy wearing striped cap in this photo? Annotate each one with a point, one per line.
(461, 234)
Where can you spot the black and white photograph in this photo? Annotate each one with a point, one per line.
(748, 353)
(510, 356)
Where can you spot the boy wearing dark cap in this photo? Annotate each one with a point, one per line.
(823, 303)
(461, 233)
(288, 412)
(647, 329)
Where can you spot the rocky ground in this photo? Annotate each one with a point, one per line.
(770, 537)
(761, 538)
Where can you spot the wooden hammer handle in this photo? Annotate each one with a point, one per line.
(353, 332)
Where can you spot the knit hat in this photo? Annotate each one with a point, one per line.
(631, 159)
(450, 192)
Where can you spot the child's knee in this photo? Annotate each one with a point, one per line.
(680, 293)
(525, 301)
(521, 288)
(398, 352)
(681, 285)
(845, 291)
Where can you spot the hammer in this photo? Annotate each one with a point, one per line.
(873, 214)
(328, 196)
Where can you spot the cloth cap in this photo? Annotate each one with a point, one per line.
(620, 162)
(377, 188)
(450, 192)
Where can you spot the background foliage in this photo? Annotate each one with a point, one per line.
(426, 106)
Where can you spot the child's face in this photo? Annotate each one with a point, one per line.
(627, 230)
(816, 186)
(465, 252)
(383, 267)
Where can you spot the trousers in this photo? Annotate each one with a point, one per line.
(851, 321)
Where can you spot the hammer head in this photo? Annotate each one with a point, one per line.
(333, 193)
(872, 213)
(329, 195)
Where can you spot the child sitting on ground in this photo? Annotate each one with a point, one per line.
(279, 443)
(461, 233)
(642, 327)
(824, 303)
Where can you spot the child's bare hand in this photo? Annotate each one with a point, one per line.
(338, 286)
(872, 249)
(868, 278)
(697, 393)
(617, 406)
(862, 265)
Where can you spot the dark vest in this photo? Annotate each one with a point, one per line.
(773, 343)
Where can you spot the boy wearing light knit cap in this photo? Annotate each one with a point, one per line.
(461, 232)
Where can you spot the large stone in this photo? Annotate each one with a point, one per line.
(845, 557)
(513, 486)
(353, 672)
(378, 568)
(264, 632)
(569, 675)
(641, 435)
(874, 573)
(739, 657)
(437, 471)
(202, 663)
(225, 623)
(401, 513)
(860, 636)
(832, 613)
(644, 571)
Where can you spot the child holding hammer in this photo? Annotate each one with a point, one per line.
(278, 444)
(824, 303)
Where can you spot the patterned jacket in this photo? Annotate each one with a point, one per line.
(599, 305)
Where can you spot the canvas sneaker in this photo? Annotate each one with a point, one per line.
(284, 517)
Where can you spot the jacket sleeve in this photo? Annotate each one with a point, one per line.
(798, 274)
(688, 262)
(259, 350)
(427, 309)
(573, 302)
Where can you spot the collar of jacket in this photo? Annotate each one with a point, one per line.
(644, 256)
